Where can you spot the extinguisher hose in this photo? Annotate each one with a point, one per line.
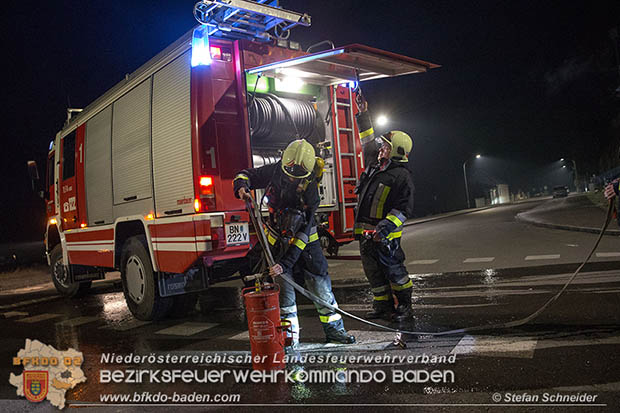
(509, 324)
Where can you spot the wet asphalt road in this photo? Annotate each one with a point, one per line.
(488, 239)
(570, 349)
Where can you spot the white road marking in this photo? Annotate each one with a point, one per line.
(542, 257)
(125, 325)
(607, 254)
(39, 317)
(481, 259)
(10, 314)
(571, 342)
(515, 347)
(186, 329)
(607, 387)
(422, 262)
(74, 322)
(345, 307)
(245, 336)
(26, 290)
(28, 302)
(421, 306)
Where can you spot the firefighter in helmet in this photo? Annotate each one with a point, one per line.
(291, 193)
(385, 201)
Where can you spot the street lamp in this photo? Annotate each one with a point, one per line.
(465, 178)
(574, 171)
(382, 120)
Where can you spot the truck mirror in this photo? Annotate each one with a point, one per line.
(33, 171)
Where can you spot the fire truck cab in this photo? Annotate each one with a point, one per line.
(140, 181)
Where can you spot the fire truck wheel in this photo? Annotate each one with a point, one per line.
(139, 282)
(60, 276)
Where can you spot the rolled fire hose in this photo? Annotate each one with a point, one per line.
(509, 324)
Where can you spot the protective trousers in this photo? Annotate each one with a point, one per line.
(310, 271)
(385, 271)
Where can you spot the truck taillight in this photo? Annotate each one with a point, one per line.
(216, 52)
(205, 198)
(206, 185)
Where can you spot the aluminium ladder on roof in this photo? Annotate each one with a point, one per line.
(247, 19)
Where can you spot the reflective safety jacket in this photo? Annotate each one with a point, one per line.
(384, 191)
(282, 193)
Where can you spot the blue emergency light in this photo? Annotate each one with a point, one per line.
(201, 52)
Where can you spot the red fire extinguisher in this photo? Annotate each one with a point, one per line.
(268, 334)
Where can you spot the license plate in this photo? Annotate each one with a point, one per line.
(237, 233)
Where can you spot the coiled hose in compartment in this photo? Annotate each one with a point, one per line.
(276, 121)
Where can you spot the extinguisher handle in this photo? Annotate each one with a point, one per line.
(266, 286)
(284, 328)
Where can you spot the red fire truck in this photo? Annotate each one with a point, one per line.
(141, 180)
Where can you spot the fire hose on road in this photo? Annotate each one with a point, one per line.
(257, 221)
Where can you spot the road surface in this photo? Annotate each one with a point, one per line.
(569, 350)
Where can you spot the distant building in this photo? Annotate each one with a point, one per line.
(500, 194)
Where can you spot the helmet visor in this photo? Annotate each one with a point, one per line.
(295, 171)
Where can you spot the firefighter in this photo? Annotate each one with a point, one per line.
(291, 192)
(385, 201)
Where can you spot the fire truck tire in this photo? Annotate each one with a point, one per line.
(60, 276)
(140, 282)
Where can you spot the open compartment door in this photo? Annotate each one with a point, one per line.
(345, 64)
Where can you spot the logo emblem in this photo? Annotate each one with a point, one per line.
(35, 385)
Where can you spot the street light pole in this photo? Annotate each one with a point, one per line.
(465, 178)
(575, 175)
(574, 171)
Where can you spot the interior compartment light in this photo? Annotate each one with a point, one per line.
(291, 84)
(262, 86)
(295, 61)
(289, 71)
(201, 53)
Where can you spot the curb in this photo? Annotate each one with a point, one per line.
(522, 218)
(408, 224)
(449, 215)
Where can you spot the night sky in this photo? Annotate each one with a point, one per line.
(524, 83)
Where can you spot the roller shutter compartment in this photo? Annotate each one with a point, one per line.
(172, 145)
(131, 145)
(97, 170)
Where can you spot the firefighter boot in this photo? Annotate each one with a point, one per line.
(381, 309)
(403, 311)
(339, 336)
